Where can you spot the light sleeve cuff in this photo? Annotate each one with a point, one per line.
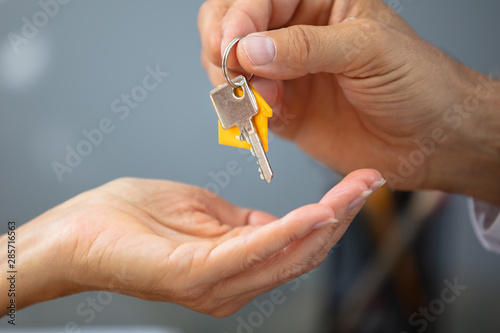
(485, 220)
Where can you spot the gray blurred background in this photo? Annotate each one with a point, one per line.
(64, 81)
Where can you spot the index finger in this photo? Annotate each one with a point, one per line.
(220, 21)
(210, 18)
(245, 17)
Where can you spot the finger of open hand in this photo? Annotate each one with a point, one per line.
(307, 253)
(241, 253)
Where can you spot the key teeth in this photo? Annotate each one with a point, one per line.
(261, 174)
(254, 153)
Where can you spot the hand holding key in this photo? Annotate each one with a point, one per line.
(354, 86)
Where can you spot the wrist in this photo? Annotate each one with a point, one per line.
(40, 268)
(469, 161)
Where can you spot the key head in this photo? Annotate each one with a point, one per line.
(231, 109)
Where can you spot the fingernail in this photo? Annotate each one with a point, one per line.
(260, 50)
(325, 223)
(377, 185)
(359, 201)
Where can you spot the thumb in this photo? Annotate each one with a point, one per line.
(299, 50)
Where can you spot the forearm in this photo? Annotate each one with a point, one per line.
(469, 162)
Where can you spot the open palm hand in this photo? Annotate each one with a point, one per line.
(166, 241)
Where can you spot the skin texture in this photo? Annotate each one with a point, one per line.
(353, 76)
(165, 241)
(353, 93)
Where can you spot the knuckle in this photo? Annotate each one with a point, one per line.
(252, 258)
(371, 34)
(299, 268)
(371, 27)
(193, 296)
(318, 260)
(368, 41)
(224, 311)
(291, 272)
(300, 39)
(205, 308)
(207, 302)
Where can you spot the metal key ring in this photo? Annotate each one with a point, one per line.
(225, 58)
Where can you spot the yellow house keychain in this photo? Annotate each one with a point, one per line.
(243, 116)
(231, 137)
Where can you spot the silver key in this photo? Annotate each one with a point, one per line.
(239, 111)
